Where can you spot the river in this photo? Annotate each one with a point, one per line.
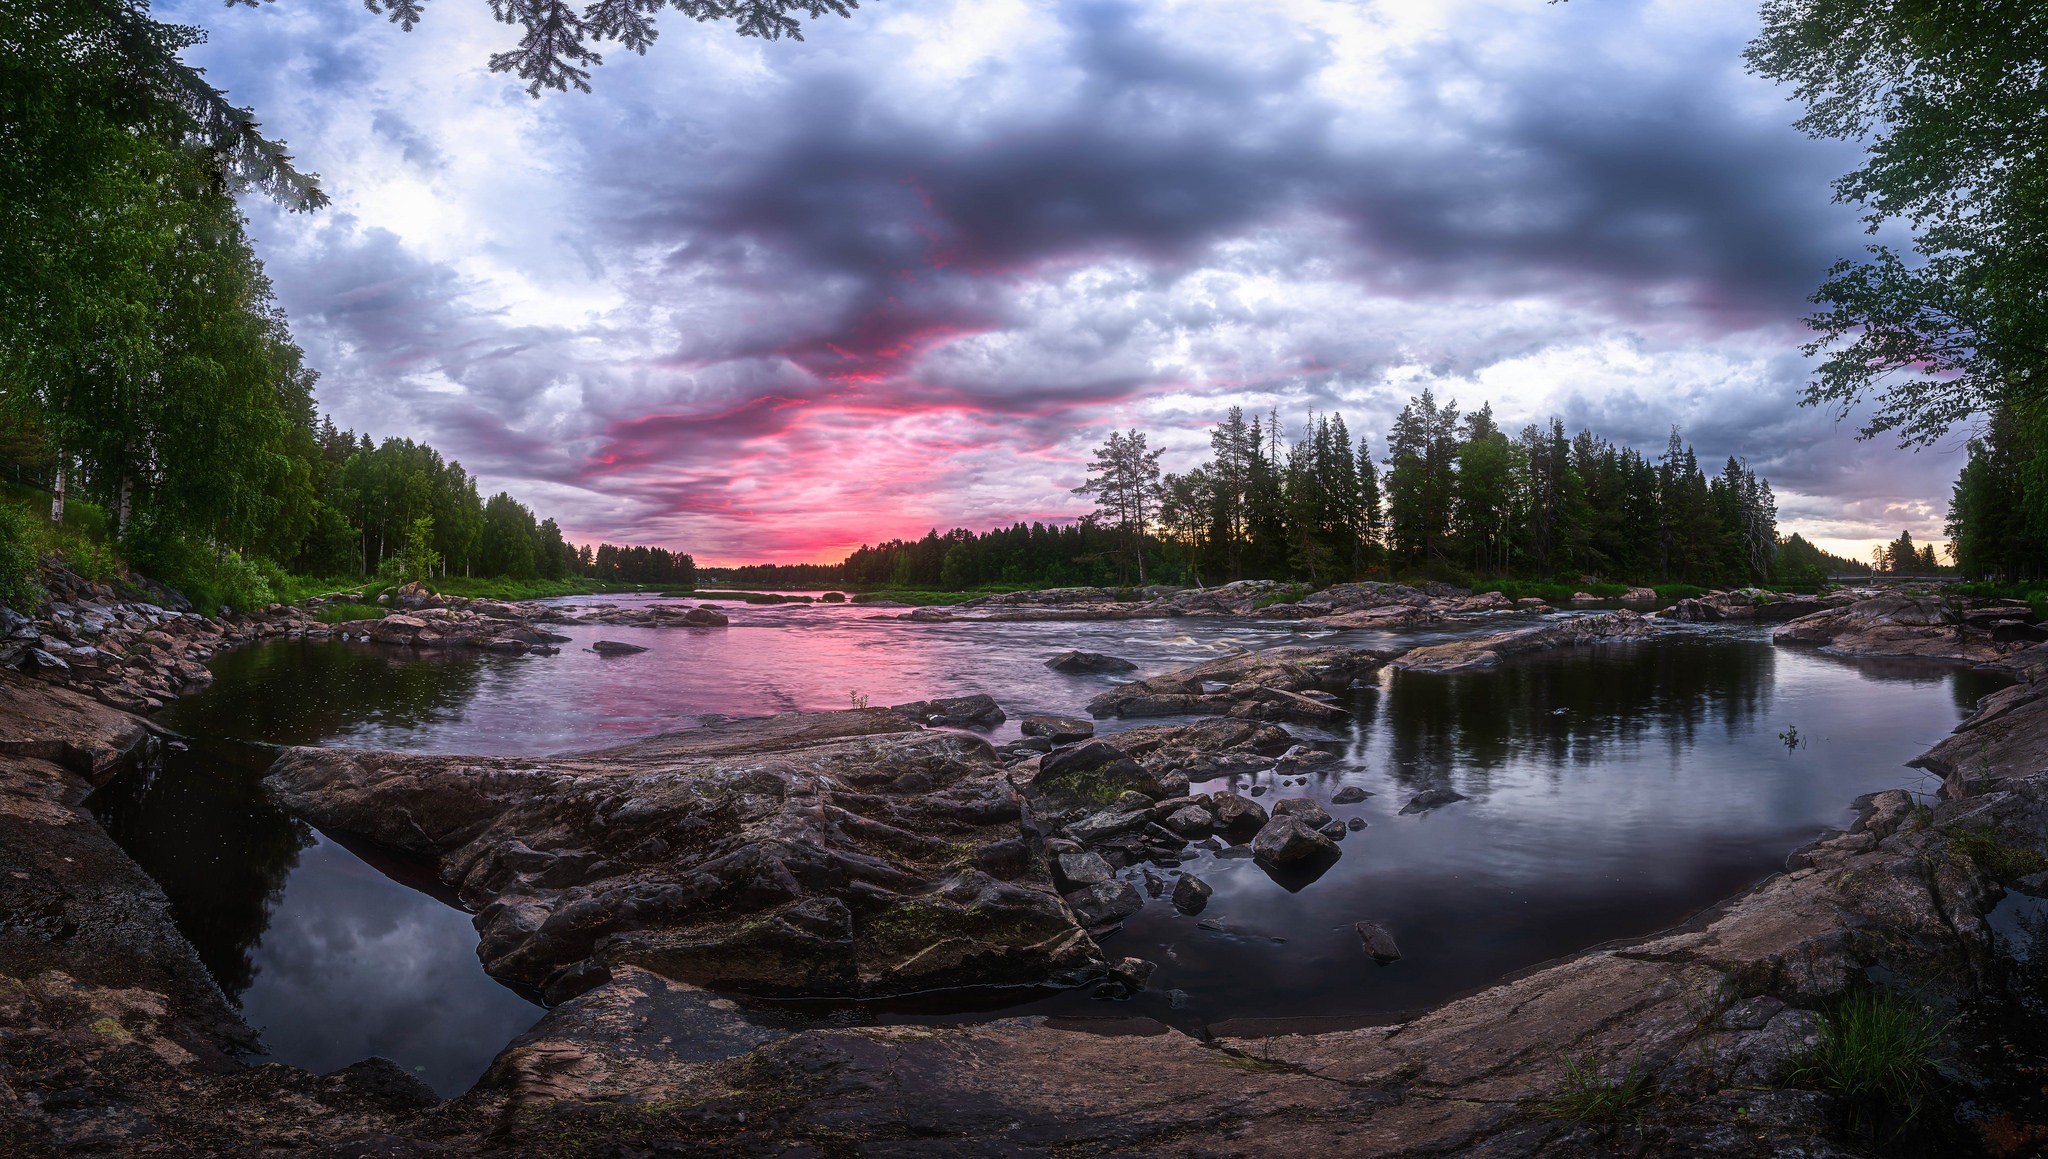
(1611, 792)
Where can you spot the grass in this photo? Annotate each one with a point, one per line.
(1591, 1094)
(299, 587)
(1876, 1047)
(1994, 858)
(1551, 593)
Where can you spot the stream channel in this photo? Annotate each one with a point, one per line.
(1612, 792)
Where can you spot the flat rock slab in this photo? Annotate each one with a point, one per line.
(1991, 633)
(1268, 684)
(1482, 652)
(824, 854)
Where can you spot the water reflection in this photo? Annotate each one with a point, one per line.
(330, 958)
(1610, 792)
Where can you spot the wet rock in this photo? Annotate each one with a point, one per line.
(1201, 750)
(1238, 816)
(1090, 663)
(1075, 870)
(1431, 799)
(1301, 756)
(1378, 942)
(1190, 821)
(1355, 824)
(615, 648)
(976, 711)
(1058, 729)
(1287, 841)
(1302, 809)
(1349, 795)
(1093, 773)
(844, 853)
(1261, 685)
(1749, 605)
(1104, 903)
(1488, 651)
(1191, 894)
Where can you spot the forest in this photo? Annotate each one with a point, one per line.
(151, 396)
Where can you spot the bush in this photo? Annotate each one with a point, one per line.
(210, 579)
(93, 561)
(19, 560)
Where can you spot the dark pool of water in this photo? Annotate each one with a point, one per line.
(1611, 792)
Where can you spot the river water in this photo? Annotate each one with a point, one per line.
(1611, 792)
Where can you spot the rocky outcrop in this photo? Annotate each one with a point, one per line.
(820, 854)
(1289, 683)
(1994, 633)
(1712, 1018)
(1488, 651)
(973, 711)
(1751, 605)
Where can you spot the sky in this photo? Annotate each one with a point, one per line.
(765, 302)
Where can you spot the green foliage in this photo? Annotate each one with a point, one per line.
(914, 598)
(1590, 1094)
(418, 559)
(1875, 1046)
(211, 578)
(1994, 858)
(743, 597)
(19, 560)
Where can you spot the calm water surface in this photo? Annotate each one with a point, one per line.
(1612, 792)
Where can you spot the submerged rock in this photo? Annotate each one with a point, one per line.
(1349, 795)
(1431, 799)
(1378, 942)
(1090, 662)
(1191, 894)
(615, 648)
(845, 853)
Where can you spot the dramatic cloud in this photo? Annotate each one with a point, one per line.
(766, 301)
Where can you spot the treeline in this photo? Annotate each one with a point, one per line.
(647, 565)
(783, 576)
(1998, 512)
(1455, 497)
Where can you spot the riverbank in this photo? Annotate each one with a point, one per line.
(639, 1059)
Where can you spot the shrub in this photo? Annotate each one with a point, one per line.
(211, 579)
(19, 559)
(93, 561)
(1994, 858)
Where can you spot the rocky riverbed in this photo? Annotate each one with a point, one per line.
(861, 853)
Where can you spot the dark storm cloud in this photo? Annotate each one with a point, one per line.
(827, 244)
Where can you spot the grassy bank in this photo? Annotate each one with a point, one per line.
(296, 588)
(744, 597)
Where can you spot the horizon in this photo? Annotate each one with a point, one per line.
(906, 273)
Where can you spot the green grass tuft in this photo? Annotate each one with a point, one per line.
(1875, 1047)
(343, 612)
(1994, 858)
(1591, 1094)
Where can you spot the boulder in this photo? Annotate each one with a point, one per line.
(1104, 903)
(1058, 729)
(1190, 821)
(1349, 795)
(1075, 870)
(615, 648)
(976, 711)
(1091, 773)
(1237, 816)
(1301, 808)
(1191, 894)
(1090, 663)
(1287, 840)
